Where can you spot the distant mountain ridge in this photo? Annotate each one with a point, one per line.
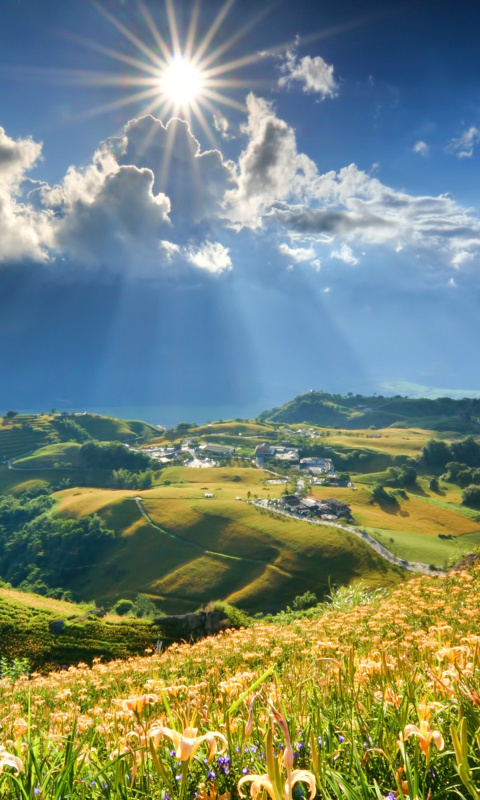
(358, 412)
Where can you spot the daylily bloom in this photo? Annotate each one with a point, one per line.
(425, 736)
(264, 782)
(7, 760)
(187, 743)
(271, 781)
(137, 702)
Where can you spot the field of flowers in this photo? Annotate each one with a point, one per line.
(379, 701)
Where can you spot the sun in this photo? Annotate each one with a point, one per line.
(181, 82)
(173, 71)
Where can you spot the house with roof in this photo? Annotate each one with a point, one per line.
(333, 506)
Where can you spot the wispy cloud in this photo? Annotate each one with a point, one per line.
(464, 145)
(345, 254)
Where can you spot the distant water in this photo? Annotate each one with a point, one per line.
(171, 415)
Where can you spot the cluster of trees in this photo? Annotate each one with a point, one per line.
(382, 497)
(123, 479)
(113, 456)
(461, 474)
(142, 606)
(471, 497)
(70, 431)
(438, 454)
(44, 551)
(460, 464)
(402, 477)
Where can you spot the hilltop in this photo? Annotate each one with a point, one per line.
(357, 411)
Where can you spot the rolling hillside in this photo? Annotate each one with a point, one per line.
(331, 410)
(25, 632)
(187, 549)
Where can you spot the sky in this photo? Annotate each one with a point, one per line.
(211, 207)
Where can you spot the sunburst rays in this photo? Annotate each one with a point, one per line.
(173, 72)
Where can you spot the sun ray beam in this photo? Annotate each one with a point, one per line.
(120, 103)
(197, 111)
(224, 100)
(127, 34)
(172, 23)
(107, 51)
(192, 30)
(160, 42)
(226, 45)
(212, 30)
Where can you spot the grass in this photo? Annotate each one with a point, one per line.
(428, 549)
(265, 560)
(25, 632)
(365, 699)
(65, 454)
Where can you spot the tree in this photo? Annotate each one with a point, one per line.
(11, 414)
(471, 497)
(434, 486)
(123, 607)
(436, 454)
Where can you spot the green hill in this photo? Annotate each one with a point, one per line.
(22, 434)
(25, 632)
(185, 549)
(358, 412)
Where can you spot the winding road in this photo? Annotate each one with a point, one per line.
(411, 566)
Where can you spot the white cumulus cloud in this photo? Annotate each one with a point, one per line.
(210, 256)
(315, 75)
(297, 254)
(269, 169)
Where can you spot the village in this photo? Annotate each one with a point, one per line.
(312, 470)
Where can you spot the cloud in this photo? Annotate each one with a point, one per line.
(462, 257)
(222, 125)
(269, 169)
(195, 181)
(297, 254)
(421, 148)
(16, 157)
(143, 198)
(24, 230)
(121, 226)
(464, 146)
(345, 254)
(314, 73)
(211, 256)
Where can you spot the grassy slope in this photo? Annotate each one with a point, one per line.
(266, 559)
(46, 457)
(25, 633)
(320, 408)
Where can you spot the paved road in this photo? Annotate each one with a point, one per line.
(411, 566)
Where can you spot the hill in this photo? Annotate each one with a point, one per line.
(184, 549)
(25, 632)
(353, 412)
(21, 434)
(366, 698)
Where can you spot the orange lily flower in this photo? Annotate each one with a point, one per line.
(425, 736)
(7, 760)
(187, 743)
(264, 782)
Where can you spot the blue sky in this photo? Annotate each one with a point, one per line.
(302, 211)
